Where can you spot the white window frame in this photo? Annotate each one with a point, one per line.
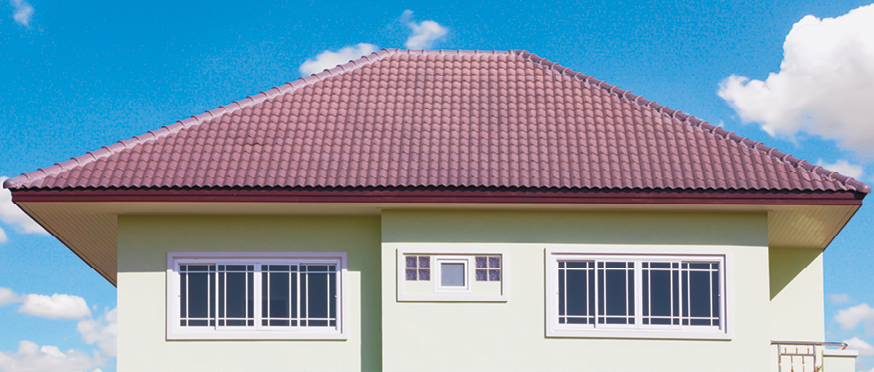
(438, 278)
(466, 251)
(257, 332)
(637, 330)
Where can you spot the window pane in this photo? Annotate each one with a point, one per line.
(616, 292)
(494, 262)
(699, 293)
(425, 274)
(317, 295)
(411, 261)
(198, 295)
(236, 295)
(452, 274)
(183, 294)
(660, 292)
(481, 262)
(424, 261)
(579, 292)
(279, 295)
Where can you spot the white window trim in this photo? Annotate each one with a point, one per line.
(177, 332)
(450, 250)
(438, 278)
(554, 329)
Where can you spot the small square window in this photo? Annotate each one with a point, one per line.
(452, 274)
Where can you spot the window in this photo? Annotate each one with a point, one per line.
(630, 295)
(452, 272)
(256, 295)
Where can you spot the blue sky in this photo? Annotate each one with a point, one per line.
(81, 75)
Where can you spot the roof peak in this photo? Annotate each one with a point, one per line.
(380, 55)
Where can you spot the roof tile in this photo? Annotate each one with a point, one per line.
(442, 118)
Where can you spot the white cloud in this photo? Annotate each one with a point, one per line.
(12, 215)
(843, 167)
(3, 237)
(839, 299)
(31, 357)
(864, 348)
(21, 12)
(329, 59)
(103, 332)
(8, 297)
(851, 317)
(424, 33)
(824, 85)
(56, 306)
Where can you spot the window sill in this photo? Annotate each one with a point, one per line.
(639, 334)
(255, 335)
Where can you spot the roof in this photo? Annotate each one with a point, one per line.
(400, 118)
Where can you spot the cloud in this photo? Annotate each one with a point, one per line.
(56, 306)
(102, 331)
(8, 297)
(424, 34)
(864, 348)
(839, 299)
(843, 167)
(12, 215)
(329, 59)
(32, 357)
(21, 12)
(824, 85)
(851, 317)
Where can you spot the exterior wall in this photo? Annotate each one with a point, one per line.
(143, 243)
(797, 307)
(797, 302)
(511, 335)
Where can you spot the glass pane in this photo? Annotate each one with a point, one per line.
(495, 275)
(494, 262)
(251, 293)
(265, 297)
(198, 295)
(481, 262)
(411, 261)
(279, 292)
(317, 295)
(659, 292)
(452, 274)
(714, 294)
(578, 292)
(183, 295)
(236, 268)
(482, 275)
(425, 261)
(411, 274)
(699, 293)
(236, 295)
(425, 274)
(332, 295)
(561, 292)
(615, 286)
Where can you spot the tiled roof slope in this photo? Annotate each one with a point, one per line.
(401, 118)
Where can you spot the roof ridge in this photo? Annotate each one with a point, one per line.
(194, 120)
(696, 122)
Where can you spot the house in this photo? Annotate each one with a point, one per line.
(452, 210)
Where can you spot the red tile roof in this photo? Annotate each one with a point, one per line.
(400, 118)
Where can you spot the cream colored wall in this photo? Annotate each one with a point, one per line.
(143, 242)
(797, 307)
(510, 336)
